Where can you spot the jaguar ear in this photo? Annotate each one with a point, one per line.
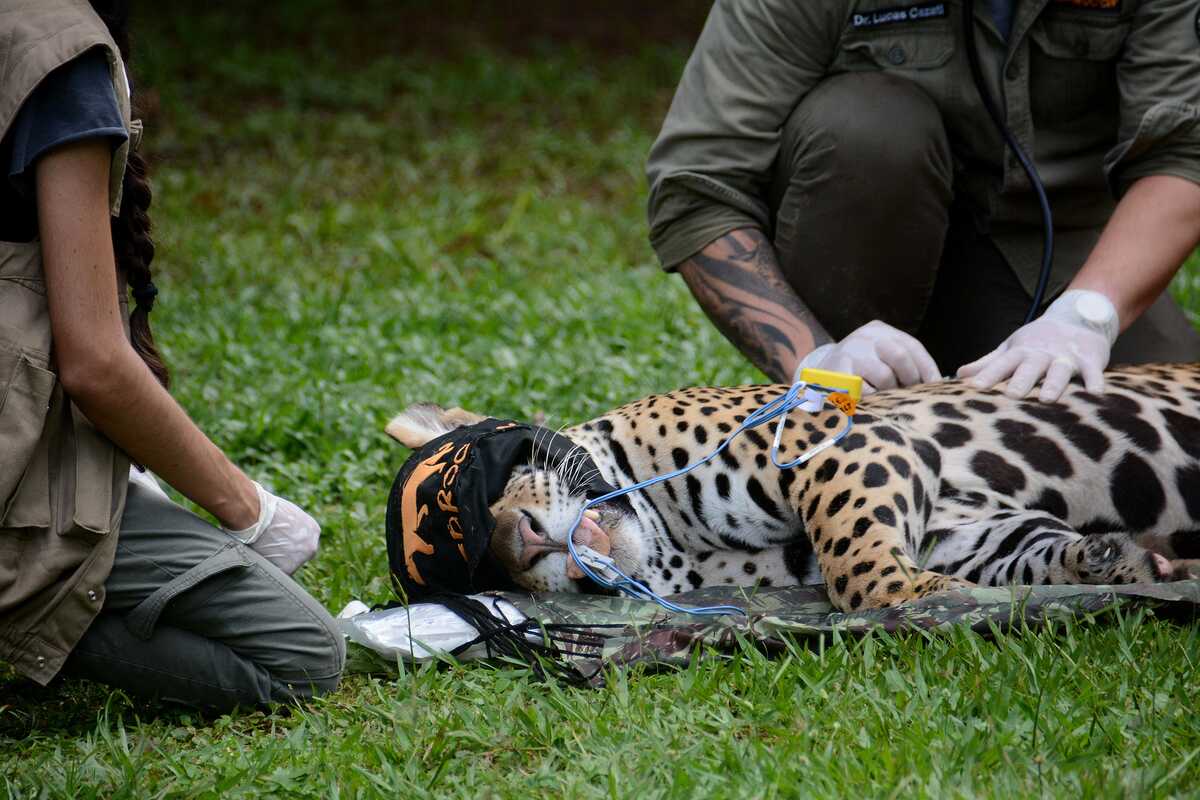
(423, 422)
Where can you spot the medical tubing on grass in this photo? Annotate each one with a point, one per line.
(1031, 172)
(777, 408)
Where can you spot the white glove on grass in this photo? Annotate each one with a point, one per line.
(1075, 335)
(884, 356)
(284, 535)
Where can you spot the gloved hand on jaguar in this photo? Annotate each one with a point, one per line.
(1075, 335)
(885, 357)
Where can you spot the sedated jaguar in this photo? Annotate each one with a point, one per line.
(935, 487)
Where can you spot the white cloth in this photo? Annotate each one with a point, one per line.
(424, 631)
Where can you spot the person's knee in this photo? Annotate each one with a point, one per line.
(311, 651)
(868, 125)
(862, 152)
(272, 621)
(312, 670)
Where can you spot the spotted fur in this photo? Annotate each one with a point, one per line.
(936, 486)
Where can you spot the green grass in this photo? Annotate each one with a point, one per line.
(362, 211)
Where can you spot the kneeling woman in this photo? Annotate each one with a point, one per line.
(100, 576)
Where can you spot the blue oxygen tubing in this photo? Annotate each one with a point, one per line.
(593, 563)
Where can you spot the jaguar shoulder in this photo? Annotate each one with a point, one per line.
(935, 487)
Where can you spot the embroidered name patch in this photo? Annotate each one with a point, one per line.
(889, 16)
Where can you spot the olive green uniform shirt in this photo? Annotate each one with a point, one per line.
(1099, 92)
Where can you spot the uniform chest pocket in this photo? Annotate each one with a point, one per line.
(1073, 67)
(1068, 39)
(25, 392)
(928, 46)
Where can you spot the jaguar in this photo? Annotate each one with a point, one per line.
(935, 487)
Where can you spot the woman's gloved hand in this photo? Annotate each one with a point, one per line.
(284, 535)
(1075, 335)
(884, 356)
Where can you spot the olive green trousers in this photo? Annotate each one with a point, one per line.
(195, 617)
(867, 226)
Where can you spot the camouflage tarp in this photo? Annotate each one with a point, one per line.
(641, 632)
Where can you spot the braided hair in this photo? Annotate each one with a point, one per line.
(133, 249)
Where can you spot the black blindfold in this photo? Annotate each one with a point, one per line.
(438, 521)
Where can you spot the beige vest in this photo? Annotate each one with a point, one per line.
(62, 483)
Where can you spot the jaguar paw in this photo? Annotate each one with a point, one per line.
(894, 589)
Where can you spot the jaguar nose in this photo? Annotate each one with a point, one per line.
(529, 537)
(534, 545)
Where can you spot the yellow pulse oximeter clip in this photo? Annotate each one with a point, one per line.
(842, 381)
(848, 387)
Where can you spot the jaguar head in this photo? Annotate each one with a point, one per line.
(536, 509)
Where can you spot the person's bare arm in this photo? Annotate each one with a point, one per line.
(1155, 228)
(738, 283)
(97, 366)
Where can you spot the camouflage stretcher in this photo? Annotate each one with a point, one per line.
(593, 632)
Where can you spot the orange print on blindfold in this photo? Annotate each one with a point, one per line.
(414, 514)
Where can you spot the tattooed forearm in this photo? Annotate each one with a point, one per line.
(738, 283)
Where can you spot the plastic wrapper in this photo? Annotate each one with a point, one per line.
(423, 631)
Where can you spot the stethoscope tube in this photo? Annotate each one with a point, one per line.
(1026, 162)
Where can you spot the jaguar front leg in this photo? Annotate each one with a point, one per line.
(863, 521)
(1000, 547)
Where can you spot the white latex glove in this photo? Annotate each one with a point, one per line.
(884, 356)
(284, 535)
(1075, 335)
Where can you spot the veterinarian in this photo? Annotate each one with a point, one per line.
(834, 193)
(102, 576)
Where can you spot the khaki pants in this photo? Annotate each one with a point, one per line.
(866, 227)
(194, 616)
